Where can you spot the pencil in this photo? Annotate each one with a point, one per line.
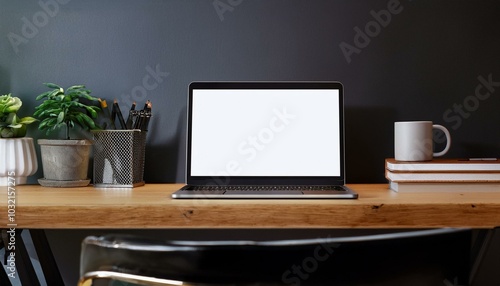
(119, 114)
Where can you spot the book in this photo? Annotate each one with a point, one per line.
(444, 187)
(442, 177)
(445, 165)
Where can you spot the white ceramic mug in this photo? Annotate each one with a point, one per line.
(413, 140)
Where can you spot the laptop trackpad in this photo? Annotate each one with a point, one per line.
(251, 192)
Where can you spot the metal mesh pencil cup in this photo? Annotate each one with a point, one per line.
(119, 157)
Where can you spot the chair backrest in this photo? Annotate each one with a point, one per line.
(425, 257)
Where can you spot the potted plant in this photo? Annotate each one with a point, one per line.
(65, 161)
(18, 151)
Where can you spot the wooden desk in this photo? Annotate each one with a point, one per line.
(150, 206)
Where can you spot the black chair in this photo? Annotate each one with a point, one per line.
(422, 257)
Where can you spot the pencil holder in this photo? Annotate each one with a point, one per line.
(119, 157)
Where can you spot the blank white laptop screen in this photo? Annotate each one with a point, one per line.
(266, 132)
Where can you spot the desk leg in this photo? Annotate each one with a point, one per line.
(46, 258)
(25, 269)
(4, 280)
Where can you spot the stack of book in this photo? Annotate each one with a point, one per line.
(444, 175)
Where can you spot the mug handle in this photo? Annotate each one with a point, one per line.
(448, 140)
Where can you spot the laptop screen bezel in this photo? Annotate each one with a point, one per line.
(259, 180)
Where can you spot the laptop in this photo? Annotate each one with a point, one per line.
(265, 140)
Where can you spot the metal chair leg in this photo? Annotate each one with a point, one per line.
(25, 269)
(46, 258)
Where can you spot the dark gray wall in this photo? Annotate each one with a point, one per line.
(423, 63)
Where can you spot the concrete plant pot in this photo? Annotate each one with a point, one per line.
(65, 163)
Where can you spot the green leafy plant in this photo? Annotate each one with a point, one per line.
(11, 126)
(62, 108)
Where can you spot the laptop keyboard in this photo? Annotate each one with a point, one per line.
(268, 188)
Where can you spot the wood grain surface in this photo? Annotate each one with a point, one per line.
(151, 206)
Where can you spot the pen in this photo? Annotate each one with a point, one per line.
(482, 159)
(147, 117)
(113, 114)
(146, 104)
(107, 117)
(116, 108)
(130, 117)
(139, 120)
